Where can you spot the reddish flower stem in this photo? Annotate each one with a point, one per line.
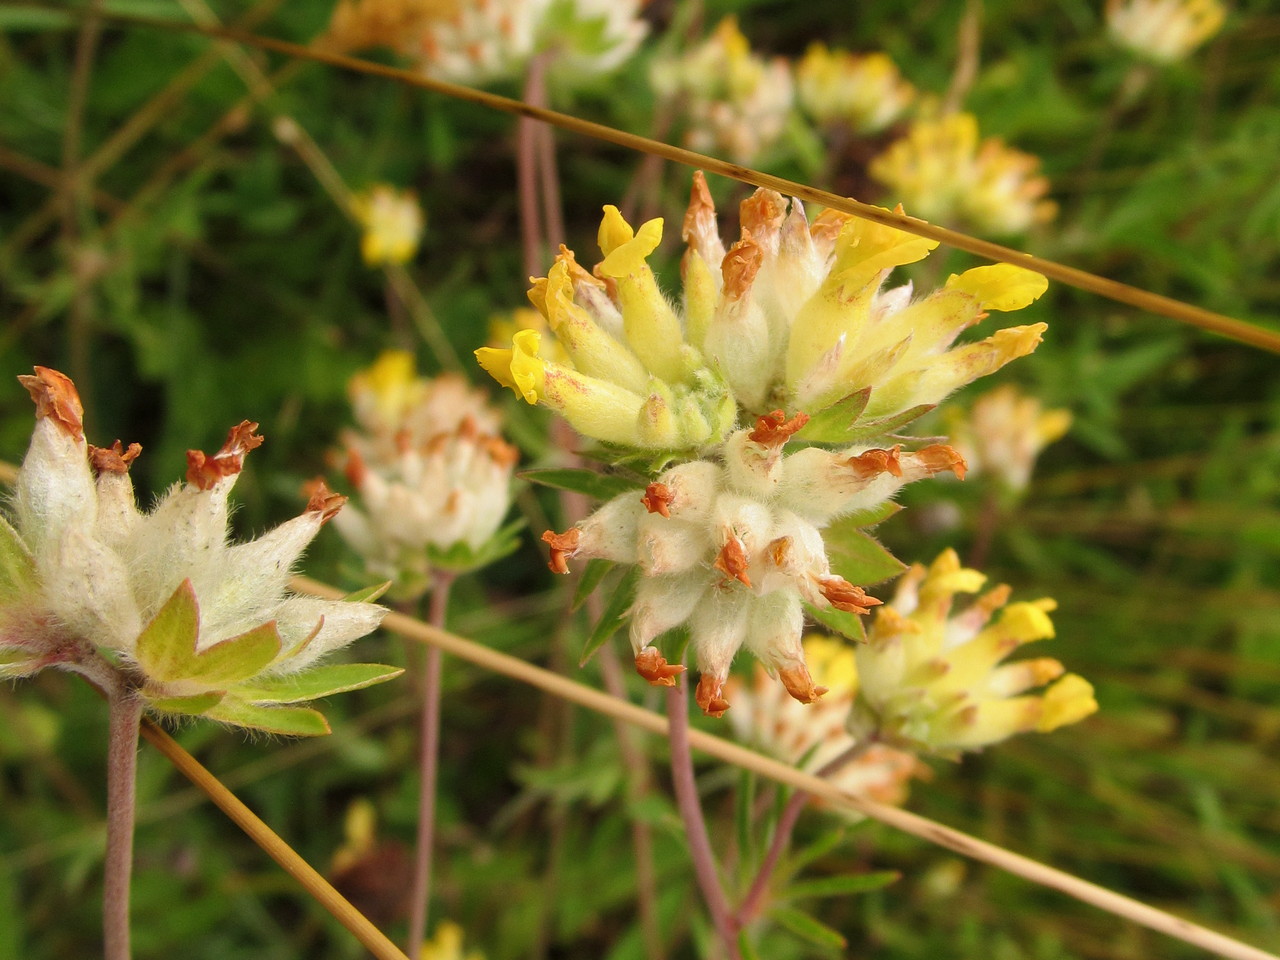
(428, 766)
(124, 719)
(695, 827)
(755, 898)
(532, 231)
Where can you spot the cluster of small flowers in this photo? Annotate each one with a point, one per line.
(431, 474)
(392, 222)
(1163, 31)
(1002, 434)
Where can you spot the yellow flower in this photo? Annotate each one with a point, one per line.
(504, 326)
(865, 93)
(1003, 434)
(392, 223)
(932, 678)
(447, 944)
(941, 172)
(1163, 30)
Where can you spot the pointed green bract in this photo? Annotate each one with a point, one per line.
(318, 682)
(288, 721)
(239, 658)
(192, 706)
(835, 423)
(614, 615)
(857, 556)
(600, 486)
(809, 928)
(17, 569)
(168, 643)
(368, 594)
(848, 625)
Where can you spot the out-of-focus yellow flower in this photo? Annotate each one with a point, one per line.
(1003, 434)
(941, 172)
(932, 678)
(1163, 30)
(366, 24)
(392, 223)
(735, 103)
(432, 476)
(767, 718)
(865, 92)
(447, 944)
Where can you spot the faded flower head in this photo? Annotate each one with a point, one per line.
(431, 474)
(943, 173)
(817, 734)
(733, 548)
(794, 316)
(932, 678)
(1163, 30)
(1003, 434)
(864, 92)
(392, 222)
(197, 626)
(391, 24)
(735, 103)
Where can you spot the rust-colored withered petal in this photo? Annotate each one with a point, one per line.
(657, 498)
(774, 429)
(872, 463)
(800, 684)
(843, 595)
(653, 666)
(322, 500)
(113, 459)
(710, 696)
(563, 546)
(57, 399)
(732, 561)
(939, 457)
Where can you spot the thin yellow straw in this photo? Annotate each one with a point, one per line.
(911, 823)
(315, 885)
(1209, 320)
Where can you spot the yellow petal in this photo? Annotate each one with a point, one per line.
(1000, 286)
(1067, 701)
(519, 368)
(625, 254)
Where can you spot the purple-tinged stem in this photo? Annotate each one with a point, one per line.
(428, 766)
(532, 232)
(695, 827)
(124, 719)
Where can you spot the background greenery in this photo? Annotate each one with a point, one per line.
(221, 282)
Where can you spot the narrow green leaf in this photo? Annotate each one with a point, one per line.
(368, 594)
(318, 682)
(596, 570)
(167, 645)
(746, 947)
(192, 706)
(744, 803)
(857, 556)
(239, 658)
(289, 721)
(842, 886)
(17, 569)
(817, 850)
(615, 612)
(872, 515)
(600, 486)
(871, 429)
(461, 557)
(803, 925)
(843, 622)
(835, 423)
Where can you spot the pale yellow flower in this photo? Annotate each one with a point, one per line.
(392, 223)
(1163, 30)
(862, 91)
(447, 944)
(1003, 434)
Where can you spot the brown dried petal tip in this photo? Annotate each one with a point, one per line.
(940, 457)
(843, 595)
(322, 500)
(653, 666)
(739, 267)
(799, 684)
(701, 214)
(113, 459)
(563, 546)
(872, 463)
(709, 696)
(56, 398)
(732, 561)
(657, 498)
(204, 471)
(774, 429)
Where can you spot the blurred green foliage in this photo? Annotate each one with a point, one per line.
(216, 281)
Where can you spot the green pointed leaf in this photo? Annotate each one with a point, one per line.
(600, 486)
(872, 515)
(835, 423)
(17, 569)
(230, 661)
(818, 849)
(315, 683)
(857, 556)
(289, 721)
(368, 594)
(846, 624)
(461, 557)
(842, 886)
(871, 429)
(167, 645)
(191, 706)
(805, 926)
(615, 613)
(596, 570)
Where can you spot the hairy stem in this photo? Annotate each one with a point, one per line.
(755, 898)
(695, 827)
(428, 765)
(124, 719)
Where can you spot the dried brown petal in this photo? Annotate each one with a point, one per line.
(56, 398)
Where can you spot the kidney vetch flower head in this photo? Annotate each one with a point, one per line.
(431, 474)
(392, 223)
(864, 92)
(931, 677)
(195, 625)
(1163, 30)
(1004, 432)
(791, 318)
